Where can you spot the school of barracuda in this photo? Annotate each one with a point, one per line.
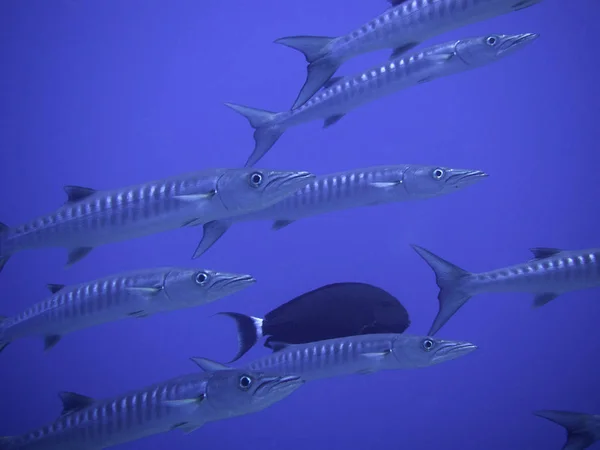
(367, 334)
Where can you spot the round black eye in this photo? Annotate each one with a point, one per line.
(427, 344)
(256, 179)
(201, 278)
(491, 40)
(438, 173)
(245, 381)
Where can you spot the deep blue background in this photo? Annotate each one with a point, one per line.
(113, 93)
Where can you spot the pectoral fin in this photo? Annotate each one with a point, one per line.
(195, 197)
(385, 184)
(542, 299)
(144, 290)
(184, 401)
(77, 254)
(51, 341)
(279, 224)
(332, 119)
(211, 233)
(439, 57)
(376, 355)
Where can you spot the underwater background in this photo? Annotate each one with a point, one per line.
(111, 93)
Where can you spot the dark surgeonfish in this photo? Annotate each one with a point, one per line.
(401, 27)
(550, 273)
(582, 429)
(331, 311)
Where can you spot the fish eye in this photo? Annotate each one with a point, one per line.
(438, 174)
(256, 179)
(201, 278)
(427, 344)
(491, 40)
(245, 382)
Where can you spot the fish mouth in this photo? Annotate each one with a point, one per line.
(460, 178)
(453, 350)
(516, 41)
(282, 385)
(234, 283)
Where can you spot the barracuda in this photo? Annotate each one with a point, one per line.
(351, 189)
(343, 95)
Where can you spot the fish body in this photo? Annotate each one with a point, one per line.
(359, 355)
(331, 311)
(132, 294)
(583, 430)
(341, 96)
(91, 218)
(549, 274)
(403, 26)
(184, 403)
(354, 188)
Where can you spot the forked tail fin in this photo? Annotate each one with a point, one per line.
(249, 331)
(265, 134)
(321, 65)
(582, 429)
(449, 279)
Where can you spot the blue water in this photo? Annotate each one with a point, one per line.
(113, 93)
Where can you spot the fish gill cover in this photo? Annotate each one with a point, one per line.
(126, 157)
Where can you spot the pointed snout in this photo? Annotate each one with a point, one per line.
(452, 350)
(517, 41)
(231, 282)
(460, 178)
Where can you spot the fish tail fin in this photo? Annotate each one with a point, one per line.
(3, 342)
(3, 258)
(321, 65)
(265, 134)
(449, 279)
(580, 432)
(249, 331)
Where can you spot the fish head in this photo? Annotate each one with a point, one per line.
(246, 190)
(237, 391)
(431, 181)
(486, 49)
(424, 351)
(190, 287)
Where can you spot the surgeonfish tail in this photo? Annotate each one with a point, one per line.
(580, 427)
(249, 331)
(265, 134)
(452, 293)
(3, 258)
(321, 66)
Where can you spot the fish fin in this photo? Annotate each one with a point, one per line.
(186, 427)
(3, 259)
(77, 254)
(425, 80)
(54, 288)
(279, 224)
(385, 184)
(51, 341)
(331, 82)
(321, 66)
(580, 432)
(193, 223)
(452, 295)
(72, 402)
(265, 136)
(332, 120)
(195, 197)
(249, 331)
(542, 299)
(144, 290)
(211, 233)
(277, 346)
(544, 252)
(439, 57)
(141, 314)
(397, 2)
(365, 371)
(208, 365)
(376, 355)
(184, 401)
(77, 193)
(398, 51)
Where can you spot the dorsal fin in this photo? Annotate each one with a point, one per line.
(208, 365)
(54, 288)
(544, 252)
(74, 402)
(76, 193)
